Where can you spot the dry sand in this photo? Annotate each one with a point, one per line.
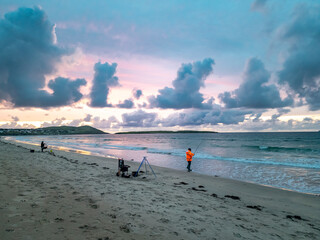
(73, 196)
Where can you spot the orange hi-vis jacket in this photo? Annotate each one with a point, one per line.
(189, 155)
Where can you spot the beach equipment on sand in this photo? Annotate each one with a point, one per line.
(145, 161)
(122, 168)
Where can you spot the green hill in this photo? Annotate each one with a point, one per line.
(61, 130)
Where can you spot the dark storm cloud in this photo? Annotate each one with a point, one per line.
(28, 52)
(137, 93)
(65, 91)
(253, 92)
(185, 92)
(103, 79)
(301, 68)
(139, 119)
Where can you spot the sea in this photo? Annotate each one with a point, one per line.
(286, 160)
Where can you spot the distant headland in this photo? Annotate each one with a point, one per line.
(153, 132)
(61, 130)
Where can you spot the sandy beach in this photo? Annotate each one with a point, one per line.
(66, 195)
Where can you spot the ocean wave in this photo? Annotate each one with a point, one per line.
(304, 163)
(282, 149)
(276, 163)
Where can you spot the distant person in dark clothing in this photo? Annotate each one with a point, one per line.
(43, 146)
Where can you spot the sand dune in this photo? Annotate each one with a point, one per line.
(63, 195)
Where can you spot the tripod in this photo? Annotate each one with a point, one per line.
(145, 161)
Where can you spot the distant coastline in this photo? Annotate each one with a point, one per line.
(61, 130)
(67, 130)
(153, 132)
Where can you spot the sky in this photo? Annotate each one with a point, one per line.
(122, 65)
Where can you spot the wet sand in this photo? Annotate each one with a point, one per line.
(64, 195)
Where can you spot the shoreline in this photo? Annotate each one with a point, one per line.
(79, 151)
(65, 194)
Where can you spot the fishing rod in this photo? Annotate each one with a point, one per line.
(198, 147)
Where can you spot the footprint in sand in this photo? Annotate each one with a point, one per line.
(112, 216)
(59, 220)
(259, 208)
(181, 183)
(87, 227)
(214, 195)
(94, 206)
(232, 197)
(295, 217)
(164, 220)
(125, 228)
(199, 190)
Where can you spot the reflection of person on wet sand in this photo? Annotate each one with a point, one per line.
(43, 146)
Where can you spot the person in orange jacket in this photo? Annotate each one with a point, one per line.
(189, 156)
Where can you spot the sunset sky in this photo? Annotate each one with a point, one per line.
(227, 66)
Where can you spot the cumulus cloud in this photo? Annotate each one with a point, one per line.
(103, 79)
(137, 93)
(88, 118)
(96, 122)
(275, 124)
(15, 118)
(111, 122)
(205, 117)
(301, 68)
(16, 125)
(139, 118)
(12, 124)
(185, 92)
(28, 52)
(128, 103)
(56, 122)
(253, 91)
(256, 117)
(280, 113)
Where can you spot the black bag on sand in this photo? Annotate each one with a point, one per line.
(125, 175)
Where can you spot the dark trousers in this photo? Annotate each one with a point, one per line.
(189, 165)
